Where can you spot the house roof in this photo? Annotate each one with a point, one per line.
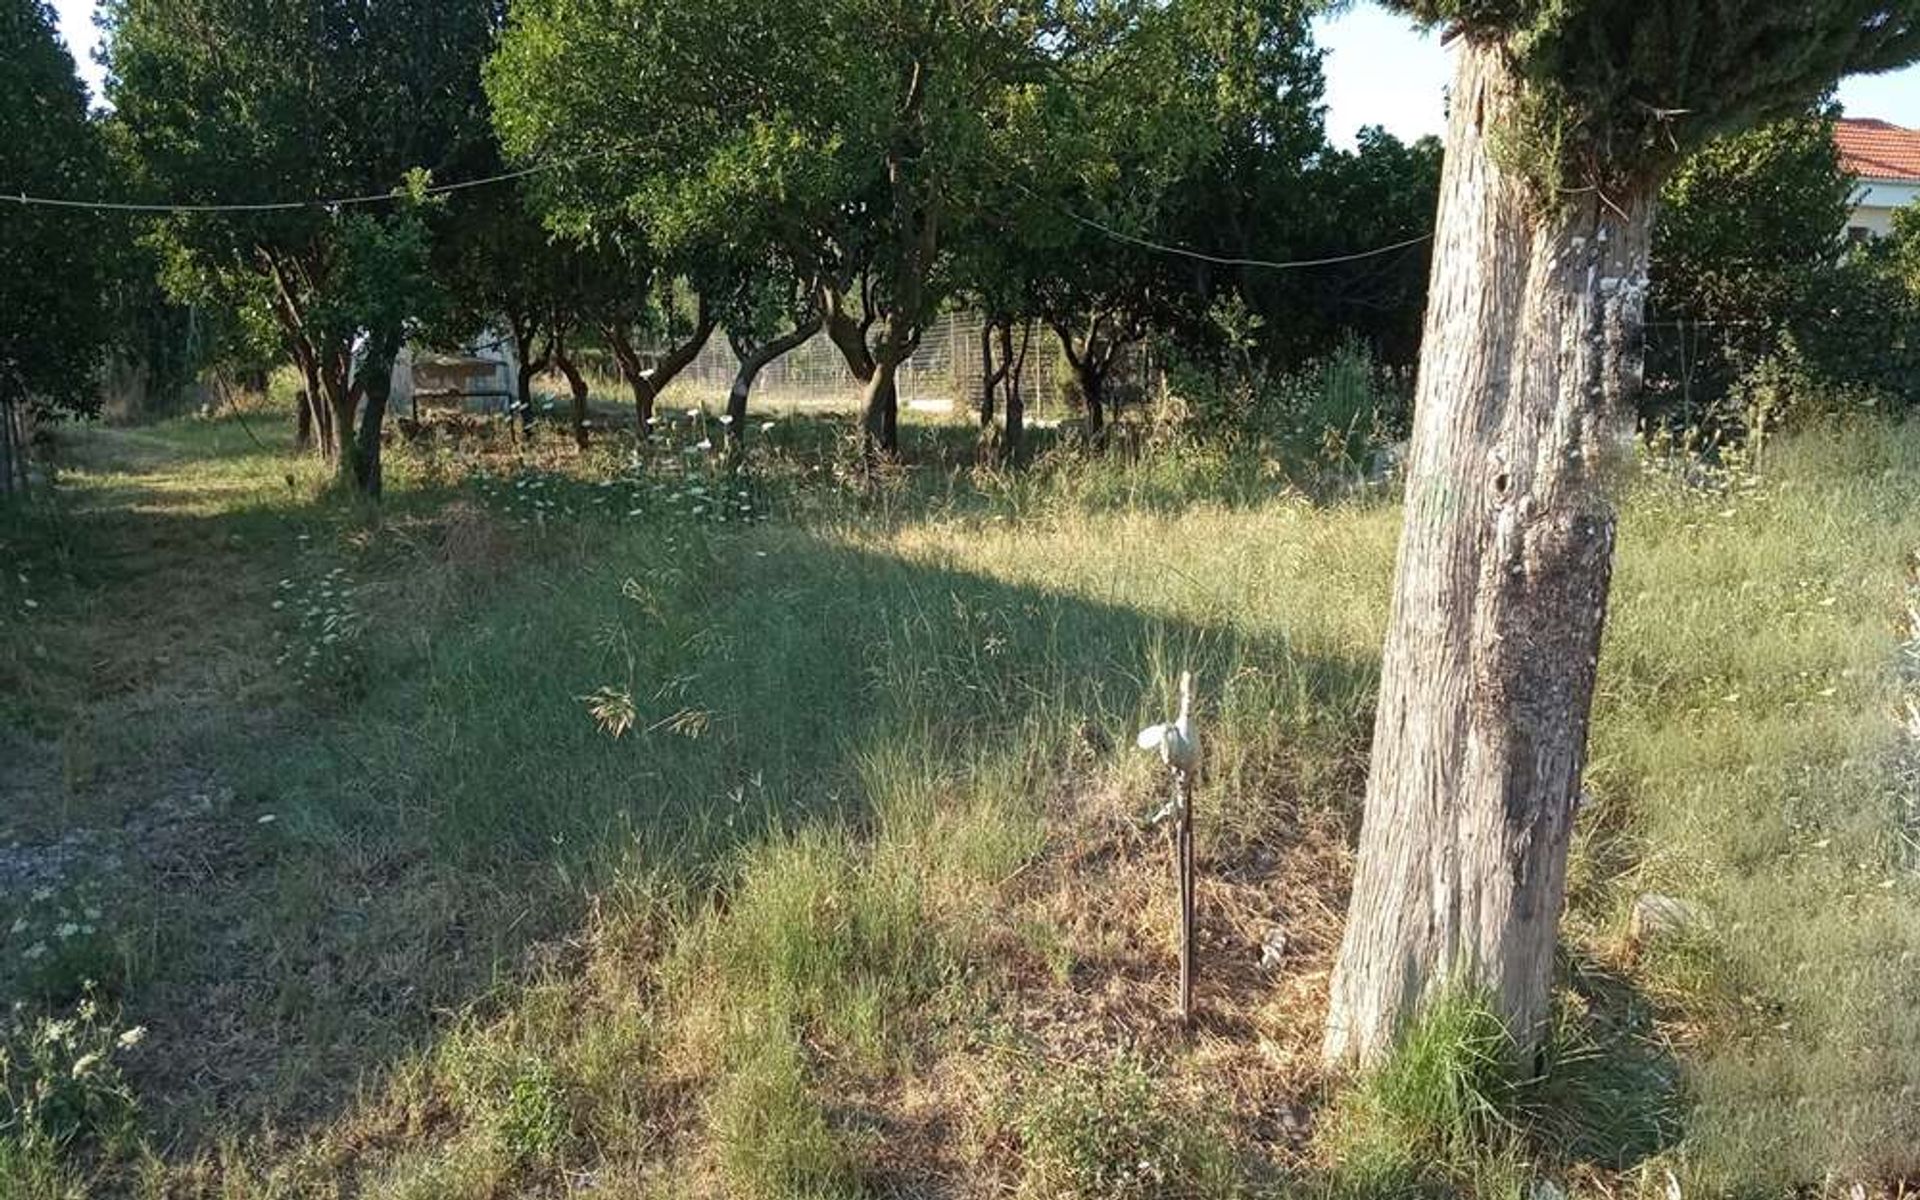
(1875, 149)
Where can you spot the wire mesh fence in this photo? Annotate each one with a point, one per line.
(943, 376)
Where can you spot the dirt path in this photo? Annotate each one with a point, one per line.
(151, 651)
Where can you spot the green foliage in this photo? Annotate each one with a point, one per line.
(1615, 92)
(1447, 1092)
(532, 1124)
(868, 792)
(53, 262)
(1112, 1132)
(1455, 1109)
(1342, 412)
(60, 1081)
(56, 946)
(217, 99)
(1760, 312)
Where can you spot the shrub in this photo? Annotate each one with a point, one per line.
(1341, 411)
(56, 949)
(531, 1121)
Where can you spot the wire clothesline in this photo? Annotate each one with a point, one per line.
(1265, 264)
(28, 200)
(436, 189)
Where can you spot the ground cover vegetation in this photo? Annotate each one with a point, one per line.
(659, 796)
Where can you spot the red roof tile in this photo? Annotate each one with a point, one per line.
(1876, 149)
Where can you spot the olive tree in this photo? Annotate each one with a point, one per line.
(1564, 118)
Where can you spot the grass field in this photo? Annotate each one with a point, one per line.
(574, 826)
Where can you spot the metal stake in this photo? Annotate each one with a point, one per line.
(1183, 849)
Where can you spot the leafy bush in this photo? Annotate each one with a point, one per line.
(1342, 411)
(1760, 309)
(532, 1119)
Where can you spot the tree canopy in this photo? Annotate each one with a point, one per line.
(1618, 91)
(52, 261)
(225, 101)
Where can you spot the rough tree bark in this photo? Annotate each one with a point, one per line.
(13, 472)
(343, 406)
(302, 421)
(990, 373)
(880, 420)
(1093, 363)
(1530, 360)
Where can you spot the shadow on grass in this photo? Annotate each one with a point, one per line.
(424, 819)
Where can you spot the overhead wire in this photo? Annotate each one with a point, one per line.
(176, 207)
(436, 189)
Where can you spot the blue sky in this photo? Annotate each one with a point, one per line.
(1381, 70)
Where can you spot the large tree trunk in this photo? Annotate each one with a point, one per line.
(1529, 365)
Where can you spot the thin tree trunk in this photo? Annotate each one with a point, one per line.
(12, 461)
(577, 385)
(523, 395)
(302, 421)
(345, 449)
(1530, 361)
(376, 384)
(850, 336)
(990, 376)
(526, 332)
(880, 423)
(315, 402)
(648, 383)
(1093, 389)
(753, 360)
(1014, 441)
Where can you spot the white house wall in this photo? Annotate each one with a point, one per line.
(1875, 200)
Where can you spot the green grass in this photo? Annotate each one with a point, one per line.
(405, 919)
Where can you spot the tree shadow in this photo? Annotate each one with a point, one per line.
(323, 875)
